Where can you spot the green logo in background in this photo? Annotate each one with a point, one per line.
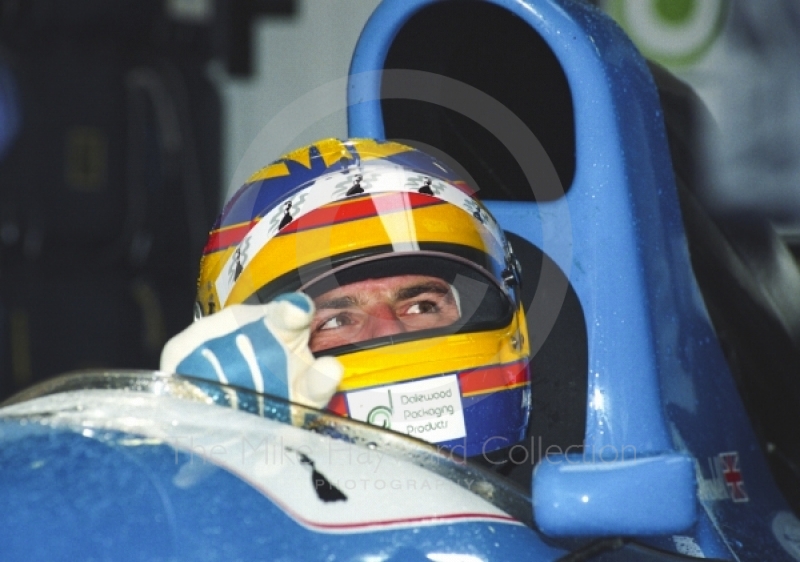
(671, 32)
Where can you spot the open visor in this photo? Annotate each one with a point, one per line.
(475, 301)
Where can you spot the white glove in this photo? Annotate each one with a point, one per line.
(260, 347)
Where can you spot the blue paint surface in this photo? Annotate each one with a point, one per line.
(658, 381)
(107, 496)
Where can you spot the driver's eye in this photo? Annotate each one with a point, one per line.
(423, 307)
(334, 322)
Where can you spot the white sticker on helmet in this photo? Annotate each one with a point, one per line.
(428, 409)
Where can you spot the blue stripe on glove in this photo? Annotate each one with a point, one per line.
(232, 359)
(259, 347)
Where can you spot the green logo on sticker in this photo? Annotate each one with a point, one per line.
(380, 416)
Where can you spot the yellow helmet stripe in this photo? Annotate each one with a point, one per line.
(440, 224)
(411, 360)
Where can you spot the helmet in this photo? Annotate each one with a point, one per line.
(339, 216)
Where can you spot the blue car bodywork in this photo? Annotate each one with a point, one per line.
(140, 466)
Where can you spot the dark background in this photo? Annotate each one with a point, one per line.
(114, 176)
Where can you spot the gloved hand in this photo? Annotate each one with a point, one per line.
(261, 347)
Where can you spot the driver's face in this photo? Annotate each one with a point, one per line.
(381, 307)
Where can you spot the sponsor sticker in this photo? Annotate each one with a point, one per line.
(428, 409)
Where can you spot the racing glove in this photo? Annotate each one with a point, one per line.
(260, 347)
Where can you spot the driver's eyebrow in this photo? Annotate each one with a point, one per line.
(422, 288)
(336, 303)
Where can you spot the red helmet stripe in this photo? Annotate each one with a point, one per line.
(494, 378)
(227, 237)
(361, 208)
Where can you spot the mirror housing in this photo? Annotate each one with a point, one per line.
(651, 495)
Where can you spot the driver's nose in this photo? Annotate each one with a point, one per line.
(381, 321)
